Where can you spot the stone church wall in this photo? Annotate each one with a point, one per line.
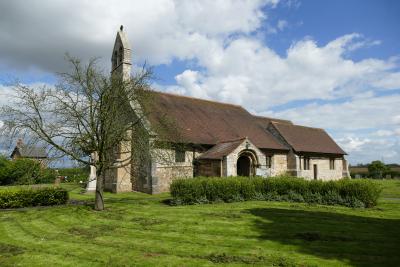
(324, 172)
(165, 169)
(279, 164)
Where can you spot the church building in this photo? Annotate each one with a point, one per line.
(221, 139)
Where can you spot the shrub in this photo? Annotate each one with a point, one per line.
(5, 178)
(352, 193)
(33, 197)
(24, 171)
(46, 176)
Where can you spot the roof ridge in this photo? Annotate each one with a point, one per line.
(309, 127)
(197, 98)
(232, 140)
(270, 118)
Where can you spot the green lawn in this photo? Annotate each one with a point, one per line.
(140, 230)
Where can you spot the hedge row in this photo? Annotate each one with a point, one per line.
(353, 193)
(33, 197)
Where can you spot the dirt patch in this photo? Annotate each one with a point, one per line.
(10, 250)
(230, 215)
(224, 258)
(147, 222)
(92, 232)
(151, 255)
(317, 236)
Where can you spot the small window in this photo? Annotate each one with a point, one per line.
(121, 55)
(306, 163)
(332, 164)
(179, 155)
(115, 59)
(269, 161)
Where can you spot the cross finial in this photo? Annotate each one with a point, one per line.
(121, 28)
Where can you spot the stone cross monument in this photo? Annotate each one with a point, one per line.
(91, 185)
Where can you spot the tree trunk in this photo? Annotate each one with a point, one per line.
(99, 200)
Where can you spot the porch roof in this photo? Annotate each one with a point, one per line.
(222, 149)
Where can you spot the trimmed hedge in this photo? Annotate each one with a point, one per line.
(33, 197)
(352, 193)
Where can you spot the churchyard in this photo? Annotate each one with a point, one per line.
(137, 229)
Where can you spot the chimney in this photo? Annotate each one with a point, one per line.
(20, 142)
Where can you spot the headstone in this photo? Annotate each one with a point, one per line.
(91, 185)
(57, 181)
(262, 172)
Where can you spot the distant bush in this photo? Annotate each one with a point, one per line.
(33, 197)
(5, 178)
(24, 171)
(343, 192)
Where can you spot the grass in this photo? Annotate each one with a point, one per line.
(141, 230)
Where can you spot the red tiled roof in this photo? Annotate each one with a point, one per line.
(221, 149)
(202, 121)
(308, 139)
(264, 121)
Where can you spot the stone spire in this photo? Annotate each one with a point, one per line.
(121, 56)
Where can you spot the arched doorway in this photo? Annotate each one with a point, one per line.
(243, 166)
(246, 163)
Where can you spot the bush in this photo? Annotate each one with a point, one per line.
(46, 176)
(33, 197)
(5, 178)
(352, 193)
(24, 171)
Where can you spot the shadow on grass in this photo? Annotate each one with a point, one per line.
(359, 241)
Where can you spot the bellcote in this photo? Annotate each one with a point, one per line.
(121, 56)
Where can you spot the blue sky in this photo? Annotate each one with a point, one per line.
(328, 64)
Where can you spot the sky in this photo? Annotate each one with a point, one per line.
(327, 64)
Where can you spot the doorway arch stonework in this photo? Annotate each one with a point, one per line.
(248, 149)
(247, 163)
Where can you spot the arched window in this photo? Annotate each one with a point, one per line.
(121, 55)
(114, 60)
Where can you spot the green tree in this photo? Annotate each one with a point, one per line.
(4, 171)
(87, 112)
(24, 171)
(377, 169)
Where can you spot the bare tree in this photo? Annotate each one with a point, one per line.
(86, 112)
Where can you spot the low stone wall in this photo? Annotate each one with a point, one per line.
(164, 175)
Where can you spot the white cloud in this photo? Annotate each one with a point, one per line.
(230, 62)
(356, 114)
(384, 133)
(365, 150)
(308, 71)
(282, 24)
(390, 81)
(352, 144)
(39, 32)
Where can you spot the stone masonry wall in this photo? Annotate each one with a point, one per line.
(324, 172)
(279, 164)
(165, 169)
